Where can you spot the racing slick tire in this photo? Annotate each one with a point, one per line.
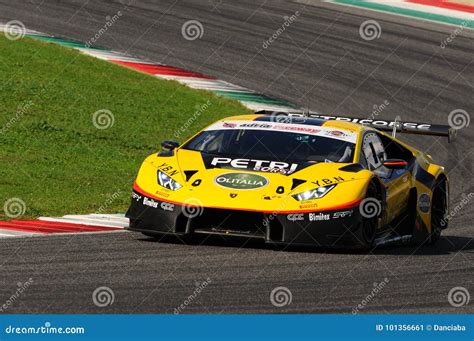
(439, 208)
(370, 209)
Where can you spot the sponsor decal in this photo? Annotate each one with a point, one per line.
(329, 181)
(163, 194)
(367, 137)
(255, 165)
(424, 203)
(136, 197)
(299, 129)
(229, 125)
(336, 133)
(166, 206)
(241, 181)
(342, 214)
(307, 206)
(169, 170)
(295, 217)
(150, 202)
(380, 123)
(318, 217)
(255, 125)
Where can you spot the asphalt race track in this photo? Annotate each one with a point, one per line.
(320, 61)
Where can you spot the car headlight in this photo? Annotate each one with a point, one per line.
(313, 193)
(167, 182)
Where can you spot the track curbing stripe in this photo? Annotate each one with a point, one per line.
(196, 80)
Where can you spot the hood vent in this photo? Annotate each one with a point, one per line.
(296, 183)
(189, 173)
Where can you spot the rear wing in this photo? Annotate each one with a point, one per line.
(393, 126)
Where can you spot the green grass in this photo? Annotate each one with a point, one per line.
(53, 157)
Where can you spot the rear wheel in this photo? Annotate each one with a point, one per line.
(439, 208)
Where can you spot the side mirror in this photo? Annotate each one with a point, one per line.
(395, 164)
(169, 145)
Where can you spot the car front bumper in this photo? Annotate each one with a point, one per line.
(323, 228)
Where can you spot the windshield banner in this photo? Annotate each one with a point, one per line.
(338, 134)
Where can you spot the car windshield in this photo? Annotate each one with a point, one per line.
(272, 145)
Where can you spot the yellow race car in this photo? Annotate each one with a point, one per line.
(295, 179)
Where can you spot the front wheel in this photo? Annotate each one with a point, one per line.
(370, 210)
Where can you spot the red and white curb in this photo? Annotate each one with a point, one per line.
(104, 220)
(249, 98)
(450, 8)
(195, 80)
(66, 224)
(450, 12)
